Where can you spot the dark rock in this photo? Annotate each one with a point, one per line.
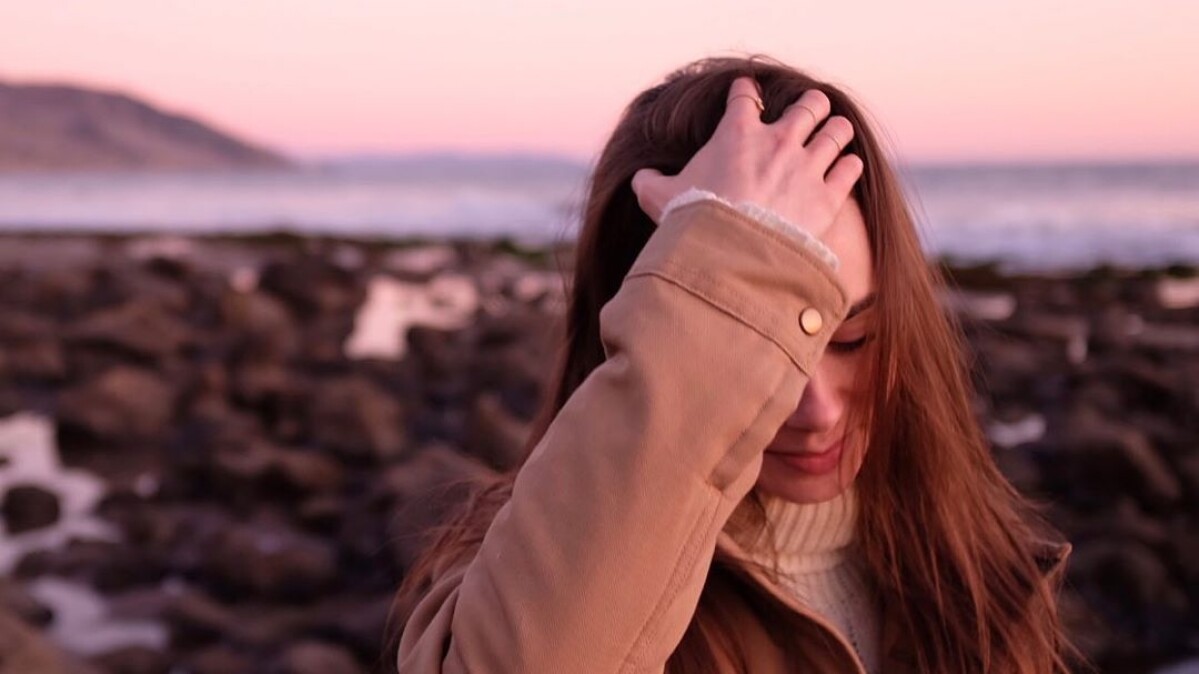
(422, 491)
(262, 325)
(263, 464)
(322, 513)
(121, 402)
(359, 623)
(15, 600)
(495, 435)
(31, 347)
(27, 507)
(1020, 469)
(311, 285)
(196, 620)
(1139, 595)
(1102, 457)
(19, 326)
(25, 651)
(220, 659)
(138, 327)
(439, 352)
(106, 565)
(316, 657)
(271, 561)
(358, 420)
(133, 660)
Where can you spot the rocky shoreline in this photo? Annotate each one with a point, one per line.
(214, 451)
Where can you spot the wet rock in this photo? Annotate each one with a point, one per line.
(308, 471)
(358, 623)
(25, 651)
(138, 327)
(16, 600)
(220, 659)
(1104, 457)
(27, 507)
(316, 657)
(19, 326)
(43, 361)
(261, 325)
(439, 352)
(263, 465)
(121, 402)
(68, 291)
(133, 660)
(495, 436)
(1140, 595)
(422, 491)
(197, 620)
(322, 513)
(271, 561)
(311, 285)
(358, 420)
(513, 356)
(1020, 469)
(31, 347)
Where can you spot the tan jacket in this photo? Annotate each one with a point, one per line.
(597, 562)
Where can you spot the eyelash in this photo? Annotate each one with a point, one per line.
(849, 347)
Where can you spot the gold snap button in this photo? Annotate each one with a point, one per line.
(811, 321)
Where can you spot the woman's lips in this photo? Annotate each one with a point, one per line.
(812, 463)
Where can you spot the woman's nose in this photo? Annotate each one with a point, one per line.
(819, 408)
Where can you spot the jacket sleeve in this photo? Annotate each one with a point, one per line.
(597, 561)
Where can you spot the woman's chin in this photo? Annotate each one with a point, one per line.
(781, 480)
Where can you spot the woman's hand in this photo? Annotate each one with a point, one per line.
(782, 166)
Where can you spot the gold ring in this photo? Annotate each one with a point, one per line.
(840, 148)
(807, 110)
(757, 101)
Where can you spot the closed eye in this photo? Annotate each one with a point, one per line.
(849, 346)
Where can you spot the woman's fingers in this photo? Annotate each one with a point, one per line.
(829, 141)
(802, 116)
(790, 166)
(744, 105)
(844, 173)
(650, 187)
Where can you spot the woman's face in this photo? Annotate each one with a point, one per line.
(816, 454)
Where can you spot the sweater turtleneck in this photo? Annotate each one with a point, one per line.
(818, 565)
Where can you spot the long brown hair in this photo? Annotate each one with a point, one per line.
(946, 538)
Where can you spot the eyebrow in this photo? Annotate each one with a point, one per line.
(862, 305)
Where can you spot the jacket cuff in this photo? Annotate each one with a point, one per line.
(762, 214)
(769, 281)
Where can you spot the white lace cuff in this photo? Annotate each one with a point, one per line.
(761, 214)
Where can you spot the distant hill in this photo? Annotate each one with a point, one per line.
(45, 127)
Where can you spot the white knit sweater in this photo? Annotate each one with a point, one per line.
(819, 565)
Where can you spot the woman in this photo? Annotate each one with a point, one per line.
(760, 454)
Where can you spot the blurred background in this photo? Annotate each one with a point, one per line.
(271, 271)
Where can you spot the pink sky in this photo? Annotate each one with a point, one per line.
(948, 80)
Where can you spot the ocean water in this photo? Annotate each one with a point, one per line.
(1042, 217)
